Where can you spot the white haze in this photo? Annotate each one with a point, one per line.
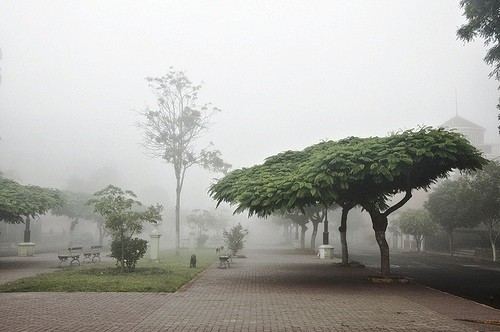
(286, 75)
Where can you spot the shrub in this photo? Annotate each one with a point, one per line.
(133, 250)
(234, 238)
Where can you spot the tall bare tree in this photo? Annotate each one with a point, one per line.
(172, 128)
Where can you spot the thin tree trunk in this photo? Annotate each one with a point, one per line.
(343, 235)
(450, 242)
(385, 266)
(303, 230)
(418, 240)
(177, 216)
(493, 248)
(313, 235)
(123, 251)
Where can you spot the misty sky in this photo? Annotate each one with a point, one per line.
(286, 75)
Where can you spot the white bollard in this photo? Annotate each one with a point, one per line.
(154, 252)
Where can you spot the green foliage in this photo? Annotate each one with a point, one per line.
(128, 251)
(234, 238)
(75, 206)
(353, 170)
(123, 219)
(18, 202)
(167, 275)
(483, 194)
(483, 21)
(449, 205)
(417, 222)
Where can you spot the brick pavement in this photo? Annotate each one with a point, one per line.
(265, 292)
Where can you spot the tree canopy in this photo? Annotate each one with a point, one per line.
(18, 202)
(417, 222)
(364, 171)
(483, 193)
(353, 169)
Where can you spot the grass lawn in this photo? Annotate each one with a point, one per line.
(166, 276)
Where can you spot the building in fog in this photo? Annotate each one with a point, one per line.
(475, 135)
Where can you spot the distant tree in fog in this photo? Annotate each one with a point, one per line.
(301, 219)
(201, 221)
(172, 128)
(19, 204)
(449, 206)
(418, 223)
(483, 195)
(75, 207)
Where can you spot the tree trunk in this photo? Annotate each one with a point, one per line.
(314, 234)
(177, 216)
(493, 248)
(303, 230)
(123, 251)
(385, 265)
(379, 223)
(450, 242)
(27, 230)
(343, 235)
(492, 242)
(418, 240)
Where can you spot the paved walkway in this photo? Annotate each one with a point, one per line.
(265, 292)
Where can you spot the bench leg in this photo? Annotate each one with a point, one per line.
(62, 260)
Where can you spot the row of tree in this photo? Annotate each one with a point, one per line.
(467, 201)
(116, 211)
(351, 172)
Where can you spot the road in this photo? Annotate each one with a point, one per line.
(463, 276)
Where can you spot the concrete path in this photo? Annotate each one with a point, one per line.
(268, 291)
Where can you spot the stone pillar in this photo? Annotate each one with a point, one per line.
(154, 239)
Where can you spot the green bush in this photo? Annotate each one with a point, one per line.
(133, 250)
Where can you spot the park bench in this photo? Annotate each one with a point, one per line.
(93, 253)
(72, 254)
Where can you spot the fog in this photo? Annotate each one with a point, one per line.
(285, 74)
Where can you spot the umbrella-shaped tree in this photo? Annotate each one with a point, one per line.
(377, 168)
(19, 203)
(75, 207)
(354, 171)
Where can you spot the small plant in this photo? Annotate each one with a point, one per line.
(234, 238)
(131, 250)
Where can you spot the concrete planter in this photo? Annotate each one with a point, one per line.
(326, 252)
(25, 249)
